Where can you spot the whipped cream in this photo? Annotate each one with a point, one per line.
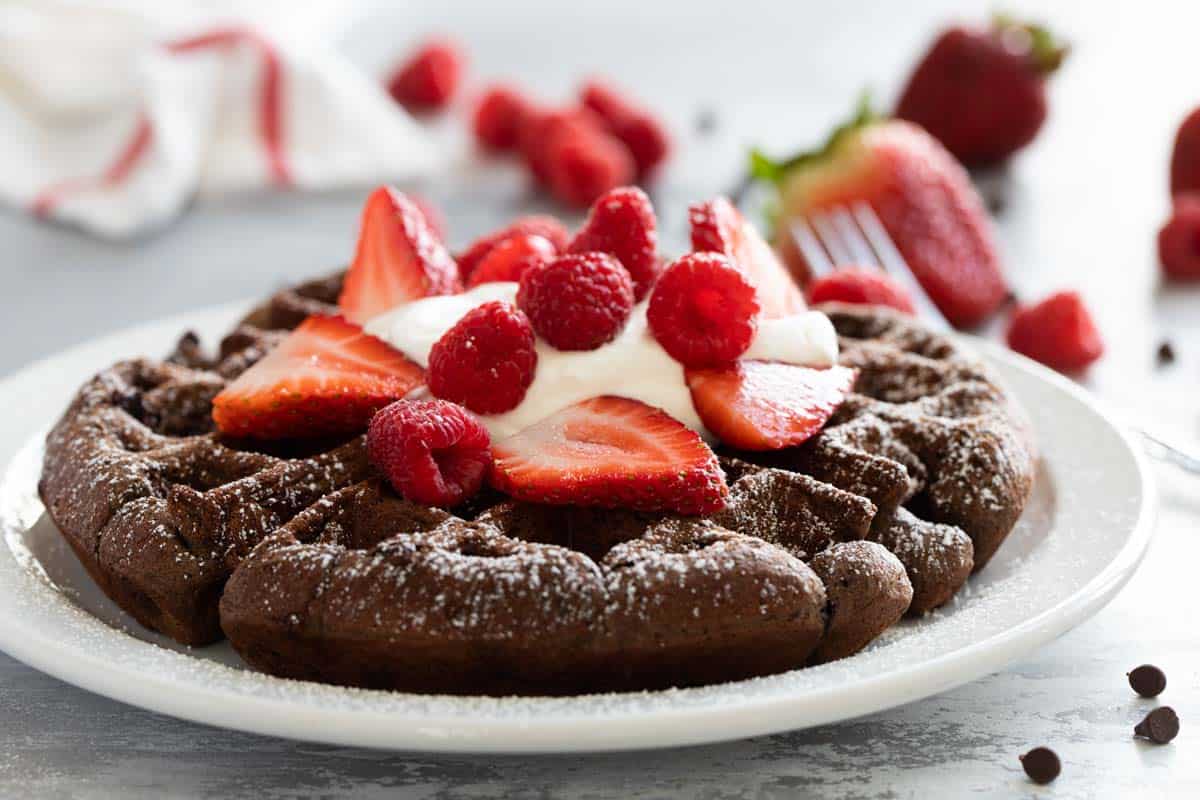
(633, 365)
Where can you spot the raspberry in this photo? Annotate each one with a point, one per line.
(544, 226)
(622, 224)
(644, 136)
(861, 287)
(499, 115)
(486, 361)
(1179, 239)
(1058, 332)
(432, 452)
(509, 259)
(577, 302)
(429, 78)
(542, 129)
(703, 311)
(581, 165)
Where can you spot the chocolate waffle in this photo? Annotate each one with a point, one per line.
(315, 569)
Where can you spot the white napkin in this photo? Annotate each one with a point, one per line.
(113, 114)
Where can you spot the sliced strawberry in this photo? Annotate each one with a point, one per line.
(327, 377)
(718, 226)
(763, 405)
(613, 453)
(399, 258)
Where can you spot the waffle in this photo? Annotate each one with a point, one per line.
(315, 569)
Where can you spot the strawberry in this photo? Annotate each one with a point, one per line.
(719, 227)
(1059, 332)
(982, 91)
(327, 377)
(922, 196)
(613, 453)
(622, 223)
(399, 258)
(1179, 240)
(861, 286)
(428, 80)
(1185, 156)
(761, 405)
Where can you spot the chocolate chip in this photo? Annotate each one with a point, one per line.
(1166, 354)
(1041, 764)
(706, 121)
(1147, 680)
(1160, 726)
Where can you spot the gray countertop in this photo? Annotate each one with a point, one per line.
(1081, 208)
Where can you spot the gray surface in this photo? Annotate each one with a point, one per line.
(1082, 207)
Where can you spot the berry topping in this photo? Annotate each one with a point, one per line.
(761, 405)
(613, 453)
(578, 301)
(428, 80)
(486, 361)
(622, 223)
(719, 227)
(432, 452)
(644, 136)
(546, 227)
(499, 115)
(1058, 332)
(582, 166)
(509, 259)
(982, 91)
(1179, 240)
(704, 311)
(862, 287)
(327, 377)
(399, 258)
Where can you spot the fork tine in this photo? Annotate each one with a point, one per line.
(861, 252)
(832, 240)
(810, 247)
(895, 265)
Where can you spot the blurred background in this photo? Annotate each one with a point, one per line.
(1079, 208)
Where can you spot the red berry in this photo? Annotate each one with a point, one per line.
(578, 301)
(543, 128)
(862, 287)
(622, 223)
(1058, 332)
(429, 78)
(611, 452)
(432, 452)
(583, 164)
(509, 259)
(645, 136)
(499, 115)
(1185, 156)
(704, 311)
(486, 361)
(434, 218)
(544, 226)
(1179, 240)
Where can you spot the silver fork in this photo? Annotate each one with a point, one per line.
(853, 235)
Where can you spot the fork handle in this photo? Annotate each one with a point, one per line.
(1168, 453)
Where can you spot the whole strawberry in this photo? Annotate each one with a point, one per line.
(922, 196)
(982, 91)
(1185, 156)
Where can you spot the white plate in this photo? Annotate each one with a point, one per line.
(1081, 538)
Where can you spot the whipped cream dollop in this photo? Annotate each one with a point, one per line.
(633, 365)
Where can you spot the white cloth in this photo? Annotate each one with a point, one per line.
(113, 114)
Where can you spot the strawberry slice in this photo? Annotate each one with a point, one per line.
(718, 226)
(613, 453)
(763, 405)
(327, 377)
(399, 258)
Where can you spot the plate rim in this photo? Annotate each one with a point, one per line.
(691, 725)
